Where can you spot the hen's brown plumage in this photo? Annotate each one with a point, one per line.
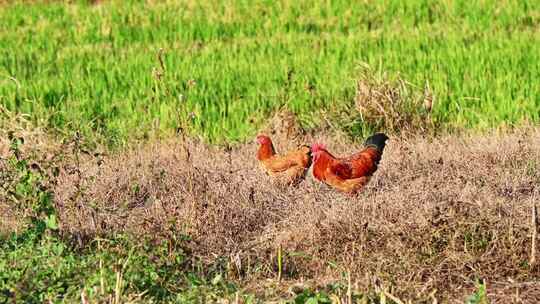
(348, 174)
(289, 167)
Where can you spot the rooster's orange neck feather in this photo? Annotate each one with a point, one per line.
(320, 164)
(266, 150)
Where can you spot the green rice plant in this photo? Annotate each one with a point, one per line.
(122, 70)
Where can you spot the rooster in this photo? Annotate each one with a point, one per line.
(289, 167)
(348, 174)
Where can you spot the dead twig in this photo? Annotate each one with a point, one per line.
(534, 232)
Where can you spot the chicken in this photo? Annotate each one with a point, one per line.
(290, 167)
(348, 174)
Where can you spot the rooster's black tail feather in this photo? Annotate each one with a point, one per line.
(377, 140)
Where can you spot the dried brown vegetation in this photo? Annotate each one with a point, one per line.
(393, 103)
(438, 214)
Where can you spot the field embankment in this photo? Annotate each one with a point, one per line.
(438, 215)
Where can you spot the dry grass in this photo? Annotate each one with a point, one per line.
(438, 214)
(393, 103)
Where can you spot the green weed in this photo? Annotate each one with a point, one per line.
(26, 187)
(479, 296)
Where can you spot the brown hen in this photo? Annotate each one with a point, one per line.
(290, 167)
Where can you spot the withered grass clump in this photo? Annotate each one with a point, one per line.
(437, 215)
(393, 104)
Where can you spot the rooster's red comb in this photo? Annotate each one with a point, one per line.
(261, 138)
(318, 147)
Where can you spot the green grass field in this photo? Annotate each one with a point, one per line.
(227, 66)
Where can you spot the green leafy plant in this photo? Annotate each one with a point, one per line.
(309, 297)
(480, 295)
(27, 189)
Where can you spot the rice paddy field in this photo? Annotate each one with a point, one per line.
(128, 170)
(225, 66)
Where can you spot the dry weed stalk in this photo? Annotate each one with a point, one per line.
(84, 300)
(349, 287)
(284, 128)
(279, 262)
(534, 231)
(392, 297)
(393, 104)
